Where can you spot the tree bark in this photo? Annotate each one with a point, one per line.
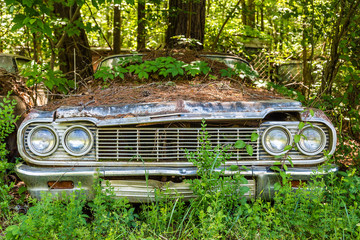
(243, 12)
(36, 46)
(117, 29)
(262, 16)
(66, 44)
(251, 13)
(141, 26)
(186, 18)
(340, 29)
(248, 12)
(223, 25)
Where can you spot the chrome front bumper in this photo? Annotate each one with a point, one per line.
(261, 180)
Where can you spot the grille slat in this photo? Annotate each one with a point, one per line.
(167, 144)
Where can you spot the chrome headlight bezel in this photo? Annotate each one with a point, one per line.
(267, 146)
(323, 140)
(53, 148)
(87, 149)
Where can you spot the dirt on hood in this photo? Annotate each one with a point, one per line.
(202, 88)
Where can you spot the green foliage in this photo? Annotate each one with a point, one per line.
(111, 216)
(326, 206)
(239, 144)
(7, 126)
(167, 67)
(37, 74)
(64, 217)
(241, 70)
(52, 219)
(218, 197)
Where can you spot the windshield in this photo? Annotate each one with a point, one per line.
(227, 60)
(119, 60)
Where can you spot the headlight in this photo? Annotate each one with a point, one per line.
(275, 139)
(43, 140)
(313, 140)
(77, 140)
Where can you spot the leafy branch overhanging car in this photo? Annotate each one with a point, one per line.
(140, 147)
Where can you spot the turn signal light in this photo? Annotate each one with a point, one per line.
(61, 185)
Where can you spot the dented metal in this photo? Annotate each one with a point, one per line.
(180, 110)
(162, 147)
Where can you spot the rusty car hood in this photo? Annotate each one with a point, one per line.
(170, 111)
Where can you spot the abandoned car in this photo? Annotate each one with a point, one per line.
(12, 63)
(136, 137)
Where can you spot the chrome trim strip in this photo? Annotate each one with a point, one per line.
(36, 178)
(95, 172)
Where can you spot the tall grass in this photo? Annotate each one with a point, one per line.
(327, 207)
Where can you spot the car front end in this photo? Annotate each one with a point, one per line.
(141, 148)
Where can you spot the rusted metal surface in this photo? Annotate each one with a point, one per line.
(175, 111)
(306, 115)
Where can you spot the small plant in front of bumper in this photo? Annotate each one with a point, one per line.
(218, 196)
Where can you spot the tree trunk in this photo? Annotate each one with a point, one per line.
(262, 15)
(248, 13)
(251, 13)
(243, 12)
(223, 25)
(36, 46)
(66, 45)
(187, 19)
(305, 66)
(117, 29)
(141, 25)
(340, 29)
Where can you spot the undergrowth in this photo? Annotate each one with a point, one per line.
(7, 126)
(327, 207)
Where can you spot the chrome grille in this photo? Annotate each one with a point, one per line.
(167, 144)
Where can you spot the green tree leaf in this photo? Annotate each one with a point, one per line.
(249, 149)
(254, 136)
(239, 144)
(288, 147)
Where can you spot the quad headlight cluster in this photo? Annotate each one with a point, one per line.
(44, 140)
(276, 138)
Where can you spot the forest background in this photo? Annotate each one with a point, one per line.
(323, 37)
(319, 38)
